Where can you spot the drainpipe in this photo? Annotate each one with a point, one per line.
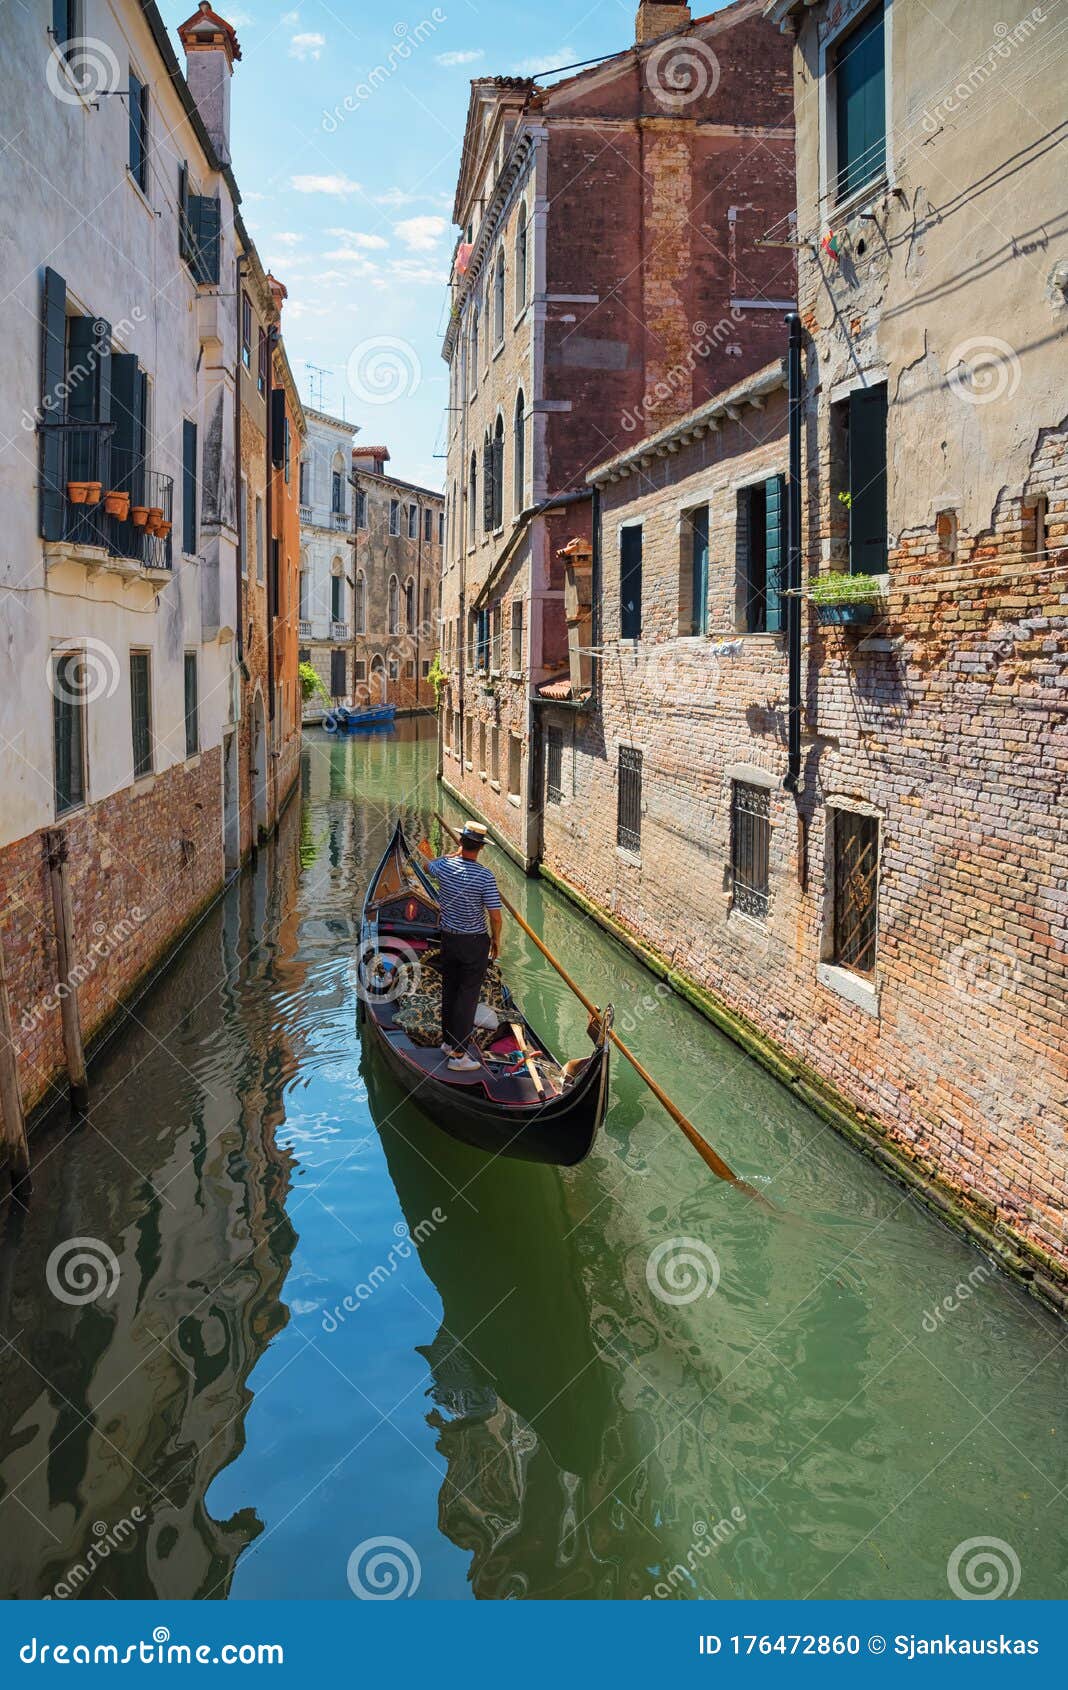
(595, 590)
(272, 607)
(792, 777)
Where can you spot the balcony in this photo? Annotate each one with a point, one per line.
(81, 478)
(305, 515)
(304, 629)
(339, 630)
(339, 520)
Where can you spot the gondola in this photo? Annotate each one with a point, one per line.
(510, 1107)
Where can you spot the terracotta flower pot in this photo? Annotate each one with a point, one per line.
(162, 529)
(77, 492)
(92, 492)
(117, 504)
(139, 514)
(155, 513)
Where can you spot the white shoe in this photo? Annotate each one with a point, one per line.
(464, 1065)
(448, 1049)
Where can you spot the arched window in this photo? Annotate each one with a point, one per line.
(359, 604)
(498, 299)
(489, 497)
(409, 605)
(472, 498)
(521, 260)
(394, 605)
(472, 361)
(498, 472)
(463, 371)
(519, 452)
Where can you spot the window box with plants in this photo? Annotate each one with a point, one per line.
(847, 600)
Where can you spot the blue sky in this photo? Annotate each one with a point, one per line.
(353, 211)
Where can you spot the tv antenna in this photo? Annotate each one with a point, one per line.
(316, 376)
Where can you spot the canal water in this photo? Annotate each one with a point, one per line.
(326, 1350)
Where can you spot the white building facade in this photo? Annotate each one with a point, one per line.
(326, 584)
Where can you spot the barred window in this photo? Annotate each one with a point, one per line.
(750, 848)
(629, 811)
(141, 712)
(856, 890)
(554, 765)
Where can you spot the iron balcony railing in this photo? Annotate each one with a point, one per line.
(80, 475)
(339, 630)
(304, 629)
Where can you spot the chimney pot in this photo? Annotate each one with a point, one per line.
(655, 18)
(211, 46)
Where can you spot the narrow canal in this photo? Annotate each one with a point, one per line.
(539, 1398)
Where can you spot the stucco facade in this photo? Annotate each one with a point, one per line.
(397, 550)
(325, 602)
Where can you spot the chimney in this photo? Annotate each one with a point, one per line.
(657, 19)
(211, 46)
(279, 292)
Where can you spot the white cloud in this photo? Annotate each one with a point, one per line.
(285, 239)
(290, 18)
(544, 61)
(421, 234)
(415, 270)
(361, 265)
(356, 237)
(462, 56)
(307, 46)
(395, 196)
(325, 185)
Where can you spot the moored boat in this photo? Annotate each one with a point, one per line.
(520, 1102)
(345, 721)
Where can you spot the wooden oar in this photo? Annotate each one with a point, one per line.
(704, 1150)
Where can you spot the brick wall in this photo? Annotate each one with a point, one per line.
(380, 556)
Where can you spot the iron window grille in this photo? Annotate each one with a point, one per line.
(629, 811)
(856, 891)
(750, 848)
(554, 765)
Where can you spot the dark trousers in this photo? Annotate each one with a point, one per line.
(464, 959)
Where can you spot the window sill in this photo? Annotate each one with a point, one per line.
(495, 785)
(861, 197)
(192, 761)
(515, 674)
(626, 855)
(143, 784)
(521, 315)
(497, 350)
(852, 987)
(515, 798)
(482, 774)
(468, 765)
(747, 927)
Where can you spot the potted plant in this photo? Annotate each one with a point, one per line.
(846, 600)
(77, 492)
(162, 529)
(117, 504)
(155, 514)
(92, 492)
(139, 514)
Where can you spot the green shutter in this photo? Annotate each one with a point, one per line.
(189, 486)
(141, 712)
(699, 567)
(630, 584)
(53, 368)
(184, 250)
(774, 551)
(135, 100)
(867, 480)
(278, 426)
(860, 104)
(208, 237)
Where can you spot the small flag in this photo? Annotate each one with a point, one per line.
(830, 246)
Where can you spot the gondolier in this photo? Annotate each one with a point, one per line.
(467, 895)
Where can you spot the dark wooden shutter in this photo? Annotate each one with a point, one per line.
(337, 674)
(127, 475)
(184, 248)
(488, 496)
(630, 584)
(699, 571)
(53, 368)
(278, 426)
(89, 397)
(867, 480)
(207, 227)
(189, 485)
(136, 101)
(774, 550)
(860, 104)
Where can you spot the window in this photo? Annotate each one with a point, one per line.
(750, 848)
(359, 608)
(693, 572)
(482, 749)
(262, 356)
(138, 103)
(521, 260)
(242, 526)
(337, 492)
(302, 482)
(469, 734)
(393, 601)
(409, 669)
(413, 522)
(515, 764)
(472, 497)
(361, 508)
(864, 418)
(428, 524)
(394, 516)
(441, 528)
(472, 360)
(192, 705)
(259, 539)
(481, 620)
(519, 452)
(68, 729)
(246, 331)
(335, 599)
(409, 605)
(761, 554)
(337, 674)
(498, 301)
(515, 656)
(629, 802)
(493, 477)
(189, 486)
(141, 712)
(860, 104)
(855, 890)
(554, 765)
(426, 611)
(302, 594)
(394, 668)
(359, 669)
(66, 21)
(630, 583)
(425, 668)
(495, 754)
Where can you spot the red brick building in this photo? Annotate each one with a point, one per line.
(608, 277)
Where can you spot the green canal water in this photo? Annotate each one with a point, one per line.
(323, 1324)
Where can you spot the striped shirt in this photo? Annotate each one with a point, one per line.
(466, 891)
